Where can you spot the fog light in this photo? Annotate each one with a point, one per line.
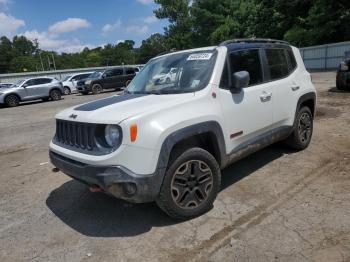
(130, 188)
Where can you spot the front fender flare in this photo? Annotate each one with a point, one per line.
(186, 132)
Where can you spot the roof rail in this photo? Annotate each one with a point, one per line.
(253, 40)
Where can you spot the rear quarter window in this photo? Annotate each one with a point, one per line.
(277, 63)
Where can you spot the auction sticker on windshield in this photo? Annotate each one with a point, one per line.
(200, 56)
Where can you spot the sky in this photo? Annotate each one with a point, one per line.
(69, 26)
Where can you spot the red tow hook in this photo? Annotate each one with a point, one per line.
(95, 189)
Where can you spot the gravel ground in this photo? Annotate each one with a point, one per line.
(275, 205)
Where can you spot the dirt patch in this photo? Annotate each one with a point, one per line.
(327, 112)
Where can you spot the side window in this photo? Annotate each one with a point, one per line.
(247, 60)
(46, 80)
(117, 72)
(130, 71)
(31, 82)
(292, 63)
(109, 73)
(277, 63)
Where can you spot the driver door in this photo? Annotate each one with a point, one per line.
(248, 112)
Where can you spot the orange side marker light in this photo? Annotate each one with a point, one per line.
(133, 132)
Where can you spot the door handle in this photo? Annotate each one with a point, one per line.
(265, 97)
(295, 87)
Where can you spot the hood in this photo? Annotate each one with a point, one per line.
(8, 89)
(115, 109)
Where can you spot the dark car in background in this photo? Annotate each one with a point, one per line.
(112, 78)
(343, 73)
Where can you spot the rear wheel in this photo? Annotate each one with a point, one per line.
(190, 185)
(339, 85)
(96, 89)
(302, 131)
(66, 90)
(12, 100)
(55, 95)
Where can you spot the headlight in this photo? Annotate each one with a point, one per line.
(88, 82)
(344, 66)
(113, 135)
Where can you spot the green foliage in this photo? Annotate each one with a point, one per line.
(194, 23)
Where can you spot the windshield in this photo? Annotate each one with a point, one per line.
(66, 78)
(18, 83)
(96, 74)
(176, 73)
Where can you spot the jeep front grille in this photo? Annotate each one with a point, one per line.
(75, 134)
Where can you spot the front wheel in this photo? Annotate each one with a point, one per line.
(191, 184)
(66, 91)
(96, 89)
(302, 130)
(12, 100)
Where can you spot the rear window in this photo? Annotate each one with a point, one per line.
(277, 63)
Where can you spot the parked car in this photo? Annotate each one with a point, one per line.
(343, 73)
(44, 88)
(166, 77)
(5, 85)
(114, 78)
(168, 143)
(70, 82)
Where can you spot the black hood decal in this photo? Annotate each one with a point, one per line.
(107, 102)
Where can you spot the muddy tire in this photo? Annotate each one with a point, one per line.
(96, 89)
(302, 130)
(191, 184)
(55, 95)
(12, 100)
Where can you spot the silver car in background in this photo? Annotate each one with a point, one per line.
(45, 88)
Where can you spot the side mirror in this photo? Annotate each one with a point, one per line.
(240, 80)
(24, 85)
(104, 76)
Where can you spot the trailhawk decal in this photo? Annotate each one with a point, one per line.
(107, 102)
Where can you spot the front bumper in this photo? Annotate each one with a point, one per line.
(114, 180)
(83, 88)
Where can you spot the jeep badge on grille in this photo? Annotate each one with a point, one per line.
(73, 116)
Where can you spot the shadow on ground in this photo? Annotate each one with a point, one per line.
(336, 90)
(99, 215)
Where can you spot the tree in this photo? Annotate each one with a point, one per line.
(180, 31)
(6, 54)
(151, 47)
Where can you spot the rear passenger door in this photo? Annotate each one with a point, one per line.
(247, 113)
(281, 70)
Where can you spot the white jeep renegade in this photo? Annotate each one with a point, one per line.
(166, 141)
